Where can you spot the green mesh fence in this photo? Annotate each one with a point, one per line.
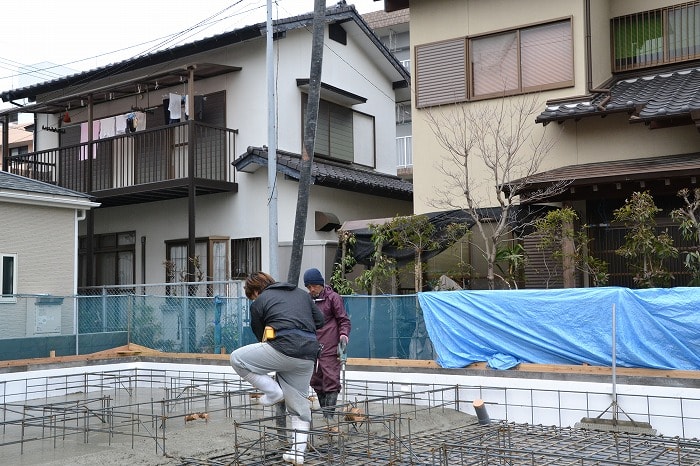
(387, 327)
(382, 326)
(172, 324)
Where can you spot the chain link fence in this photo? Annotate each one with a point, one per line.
(199, 317)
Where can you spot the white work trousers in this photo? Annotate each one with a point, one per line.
(293, 374)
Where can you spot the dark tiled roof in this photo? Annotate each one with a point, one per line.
(330, 174)
(671, 95)
(622, 170)
(10, 181)
(337, 14)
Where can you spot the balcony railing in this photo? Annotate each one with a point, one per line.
(154, 163)
(656, 37)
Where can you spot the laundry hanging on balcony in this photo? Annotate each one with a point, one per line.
(84, 138)
(131, 122)
(174, 107)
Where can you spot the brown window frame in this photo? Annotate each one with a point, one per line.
(430, 65)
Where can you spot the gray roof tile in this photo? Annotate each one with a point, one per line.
(20, 183)
(332, 174)
(663, 95)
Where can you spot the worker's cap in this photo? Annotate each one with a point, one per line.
(313, 277)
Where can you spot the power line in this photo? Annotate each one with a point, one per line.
(159, 43)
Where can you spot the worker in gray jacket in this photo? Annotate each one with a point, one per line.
(284, 319)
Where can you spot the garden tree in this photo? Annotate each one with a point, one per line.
(491, 153)
(556, 231)
(513, 255)
(383, 267)
(646, 250)
(690, 230)
(338, 280)
(307, 153)
(417, 234)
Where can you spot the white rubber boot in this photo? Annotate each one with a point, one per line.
(272, 393)
(301, 435)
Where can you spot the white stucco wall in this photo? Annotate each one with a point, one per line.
(245, 213)
(240, 215)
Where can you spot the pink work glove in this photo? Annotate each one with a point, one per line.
(343, 339)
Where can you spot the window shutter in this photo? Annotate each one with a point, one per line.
(441, 75)
(546, 55)
(341, 133)
(323, 130)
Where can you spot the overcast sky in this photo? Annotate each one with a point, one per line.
(83, 34)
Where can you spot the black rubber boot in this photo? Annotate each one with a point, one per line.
(321, 399)
(331, 399)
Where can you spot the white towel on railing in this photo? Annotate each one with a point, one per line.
(175, 106)
(84, 138)
(107, 128)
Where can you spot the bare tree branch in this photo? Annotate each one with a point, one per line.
(492, 150)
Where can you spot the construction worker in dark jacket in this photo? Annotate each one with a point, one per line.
(284, 319)
(326, 377)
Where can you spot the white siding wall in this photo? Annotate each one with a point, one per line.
(44, 240)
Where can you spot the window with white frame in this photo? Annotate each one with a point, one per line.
(403, 112)
(404, 153)
(8, 276)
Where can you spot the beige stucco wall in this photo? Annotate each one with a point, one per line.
(450, 19)
(575, 142)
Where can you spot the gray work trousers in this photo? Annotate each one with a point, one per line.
(293, 374)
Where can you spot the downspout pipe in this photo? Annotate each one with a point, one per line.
(589, 62)
(587, 27)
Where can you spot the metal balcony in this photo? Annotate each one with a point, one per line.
(155, 164)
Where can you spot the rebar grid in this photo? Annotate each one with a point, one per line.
(132, 404)
(381, 435)
(498, 444)
(523, 444)
(400, 424)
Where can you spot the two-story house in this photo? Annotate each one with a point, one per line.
(20, 137)
(617, 86)
(173, 145)
(393, 30)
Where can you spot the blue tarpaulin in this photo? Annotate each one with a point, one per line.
(655, 328)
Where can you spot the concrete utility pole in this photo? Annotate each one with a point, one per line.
(273, 237)
(307, 155)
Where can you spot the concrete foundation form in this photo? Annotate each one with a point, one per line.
(182, 412)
